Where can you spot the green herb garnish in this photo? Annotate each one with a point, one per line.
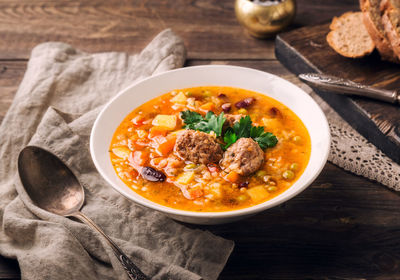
(244, 129)
(210, 122)
(241, 129)
(266, 140)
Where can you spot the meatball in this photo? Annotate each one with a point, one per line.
(244, 157)
(198, 147)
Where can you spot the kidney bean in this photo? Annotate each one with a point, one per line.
(274, 112)
(245, 102)
(152, 175)
(243, 185)
(226, 107)
(221, 95)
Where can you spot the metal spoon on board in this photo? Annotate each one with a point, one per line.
(52, 186)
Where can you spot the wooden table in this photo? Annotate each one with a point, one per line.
(342, 227)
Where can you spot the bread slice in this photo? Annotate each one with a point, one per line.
(390, 10)
(373, 23)
(349, 37)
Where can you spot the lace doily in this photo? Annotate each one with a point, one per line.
(352, 152)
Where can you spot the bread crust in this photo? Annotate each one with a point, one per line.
(336, 20)
(381, 42)
(335, 24)
(391, 32)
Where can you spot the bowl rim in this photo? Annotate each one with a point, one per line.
(222, 214)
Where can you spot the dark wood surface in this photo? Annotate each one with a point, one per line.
(306, 50)
(342, 227)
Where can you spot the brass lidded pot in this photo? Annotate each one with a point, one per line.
(265, 18)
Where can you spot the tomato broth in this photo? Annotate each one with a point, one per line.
(143, 150)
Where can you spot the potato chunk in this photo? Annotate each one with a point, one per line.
(180, 98)
(166, 121)
(185, 178)
(258, 193)
(121, 152)
(216, 190)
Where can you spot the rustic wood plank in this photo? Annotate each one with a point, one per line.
(306, 50)
(209, 28)
(11, 74)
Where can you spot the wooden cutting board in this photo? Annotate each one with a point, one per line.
(306, 50)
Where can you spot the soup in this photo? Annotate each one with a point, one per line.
(210, 149)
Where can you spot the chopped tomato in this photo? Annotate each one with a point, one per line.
(141, 142)
(138, 158)
(191, 193)
(138, 120)
(134, 173)
(212, 167)
(196, 193)
(156, 161)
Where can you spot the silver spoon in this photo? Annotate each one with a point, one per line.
(52, 186)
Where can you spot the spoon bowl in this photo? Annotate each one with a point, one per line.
(52, 186)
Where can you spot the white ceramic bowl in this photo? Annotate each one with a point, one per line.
(287, 93)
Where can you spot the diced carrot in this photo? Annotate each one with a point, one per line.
(156, 131)
(232, 177)
(208, 106)
(165, 144)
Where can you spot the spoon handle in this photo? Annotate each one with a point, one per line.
(132, 270)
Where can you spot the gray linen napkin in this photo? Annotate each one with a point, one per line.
(54, 108)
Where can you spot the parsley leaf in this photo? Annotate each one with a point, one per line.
(230, 137)
(191, 117)
(242, 127)
(256, 131)
(216, 123)
(211, 122)
(266, 140)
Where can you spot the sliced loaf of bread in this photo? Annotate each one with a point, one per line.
(373, 23)
(390, 10)
(349, 36)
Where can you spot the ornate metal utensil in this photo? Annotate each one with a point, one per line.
(52, 186)
(344, 86)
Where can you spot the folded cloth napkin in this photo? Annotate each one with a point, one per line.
(54, 108)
